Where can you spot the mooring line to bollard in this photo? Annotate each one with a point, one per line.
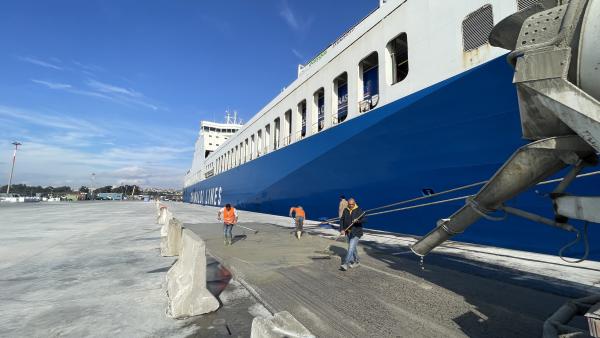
(472, 185)
(421, 205)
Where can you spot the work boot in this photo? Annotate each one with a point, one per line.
(344, 267)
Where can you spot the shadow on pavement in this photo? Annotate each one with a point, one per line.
(505, 301)
(217, 277)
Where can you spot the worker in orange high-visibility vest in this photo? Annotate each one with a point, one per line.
(299, 216)
(230, 217)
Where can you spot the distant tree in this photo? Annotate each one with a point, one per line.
(107, 188)
(25, 190)
(62, 190)
(84, 189)
(119, 189)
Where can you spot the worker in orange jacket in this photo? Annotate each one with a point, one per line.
(299, 217)
(230, 217)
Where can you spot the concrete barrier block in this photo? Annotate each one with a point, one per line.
(282, 324)
(164, 217)
(170, 245)
(186, 280)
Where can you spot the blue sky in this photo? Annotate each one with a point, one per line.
(118, 87)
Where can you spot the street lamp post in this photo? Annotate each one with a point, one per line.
(93, 186)
(16, 144)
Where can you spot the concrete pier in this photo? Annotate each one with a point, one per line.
(389, 294)
(95, 269)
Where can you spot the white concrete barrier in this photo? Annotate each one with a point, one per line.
(157, 205)
(164, 216)
(186, 280)
(170, 245)
(282, 324)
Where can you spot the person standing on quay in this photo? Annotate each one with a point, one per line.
(343, 205)
(299, 216)
(351, 225)
(230, 217)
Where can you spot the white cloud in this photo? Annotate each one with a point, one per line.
(47, 120)
(61, 150)
(52, 85)
(297, 24)
(39, 62)
(298, 54)
(88, 67)
(119, 95)
(289, 16)
(41, 163)
(111, 89)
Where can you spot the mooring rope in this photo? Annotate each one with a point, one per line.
(472, 185)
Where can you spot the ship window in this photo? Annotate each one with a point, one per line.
(267, 137)
(277, 124)
(398, 49)
(340, 86)
(302, 113)
(319, 98)
(476, 28)
(259, 143)
(236, 159)
(242, 160)
(287, 118)
(369, 75)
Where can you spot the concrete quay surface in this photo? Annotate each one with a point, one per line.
(94, 269)
(390, 294)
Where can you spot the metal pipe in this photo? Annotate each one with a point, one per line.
(529, 165)
(570, 177)
(555, 325)
(539, 219)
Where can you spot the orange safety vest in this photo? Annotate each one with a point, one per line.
(229, 216)
(299, 212)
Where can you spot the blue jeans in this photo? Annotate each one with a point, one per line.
(352, 255)
(299, 223)
(227, 228)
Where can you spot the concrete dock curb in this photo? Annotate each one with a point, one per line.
(186, 280)
(170, 245)
(282, 324)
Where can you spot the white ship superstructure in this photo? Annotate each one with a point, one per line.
(211, 136)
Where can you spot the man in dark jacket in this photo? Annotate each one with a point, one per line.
(351, 225)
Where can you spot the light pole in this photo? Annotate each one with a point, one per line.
(93, 184)
(16, 144)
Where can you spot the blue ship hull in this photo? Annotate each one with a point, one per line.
(454, 133)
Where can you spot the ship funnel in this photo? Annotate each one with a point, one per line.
(556, 55)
